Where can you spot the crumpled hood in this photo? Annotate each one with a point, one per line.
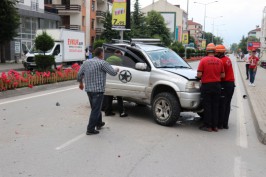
(189, 74)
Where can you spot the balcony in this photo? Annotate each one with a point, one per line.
(73, 8)
(99, 31)
(100, 14)
(50, 9)
(71, 27)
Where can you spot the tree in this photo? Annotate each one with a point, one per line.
(138, 24)
(253, 39)
(9, 23)
(243, 44)
(156, 27)
(109, 34)
(234, 47)
(44, 42)
(218, 40)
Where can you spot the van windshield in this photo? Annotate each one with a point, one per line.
(167, 59)
(34, 50)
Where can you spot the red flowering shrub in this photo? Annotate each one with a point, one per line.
(13, 79)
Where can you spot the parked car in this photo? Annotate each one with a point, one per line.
(156, 76)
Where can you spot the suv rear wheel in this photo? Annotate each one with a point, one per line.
(165, 109)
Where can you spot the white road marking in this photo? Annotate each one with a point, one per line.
(242, 130)
(70, 142)
(239, 168)
(36, 96)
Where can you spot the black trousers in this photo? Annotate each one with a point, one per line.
(228, 89)
(247, 70)
(109, 102)
(210, 93)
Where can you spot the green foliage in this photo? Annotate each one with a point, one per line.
(243, 44)
(109, 34)
(234, 47)
(44, 42)
(98, 43)
(253, 39)
(216, 40)
(44, 62)
(9, 23)
(156, 26)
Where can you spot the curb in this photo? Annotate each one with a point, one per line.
(260, 133)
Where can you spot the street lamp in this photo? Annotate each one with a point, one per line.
(205, 4)
(213, 18)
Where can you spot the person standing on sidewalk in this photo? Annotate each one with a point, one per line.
(227, 87)
(93, 72)
(210, 70)
(254, 62)
(246, 59)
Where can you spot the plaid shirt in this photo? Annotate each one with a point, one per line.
(93, 72)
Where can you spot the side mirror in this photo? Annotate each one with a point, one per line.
(141, 66)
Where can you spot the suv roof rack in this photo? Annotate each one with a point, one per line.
(146, 41)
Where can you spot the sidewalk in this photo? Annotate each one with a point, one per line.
(4, 67)
(257, 99)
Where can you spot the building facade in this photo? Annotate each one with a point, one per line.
(74, 14)
(175, 17)
(195, 31)
(255, 33)
(263, 36)
(33, 16)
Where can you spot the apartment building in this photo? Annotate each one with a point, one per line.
(75, 15)
(195, 31)
(174, 16)
(263, 35)
(33, 16)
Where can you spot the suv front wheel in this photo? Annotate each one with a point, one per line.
(165, 109)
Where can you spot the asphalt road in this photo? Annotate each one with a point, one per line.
(40, 139)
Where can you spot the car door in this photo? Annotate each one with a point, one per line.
(129, 82)
(58, 53)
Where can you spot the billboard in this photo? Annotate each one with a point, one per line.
(253, 45)
(185, 37)
(203, 44)
(170, 21)
(121, 14)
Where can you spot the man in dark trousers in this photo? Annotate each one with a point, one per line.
(93, 72)
(114, 60)
(210, 70)
(227, 86)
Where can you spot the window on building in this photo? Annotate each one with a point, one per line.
(83, 20)
(93, 5)
(92, 40)
(21, 1)
(92, 23)
(48, 1)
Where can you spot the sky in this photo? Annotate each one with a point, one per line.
(238, 16)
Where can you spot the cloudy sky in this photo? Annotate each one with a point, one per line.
(239, 16)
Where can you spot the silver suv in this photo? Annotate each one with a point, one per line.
(155, 76)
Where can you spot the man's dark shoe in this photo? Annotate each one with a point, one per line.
(226, 127)
(123, 114)
(98, 127)
(94, 132)
(215, 129)
(110, 114)
(247, 78)
(205, 128)
(220, 127)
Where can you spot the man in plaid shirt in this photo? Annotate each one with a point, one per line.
(93, 72)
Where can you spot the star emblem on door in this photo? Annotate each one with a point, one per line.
(125, 76)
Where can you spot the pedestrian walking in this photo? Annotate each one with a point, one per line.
(227, 87)
(93, 72)
(210, 70)
(254, 62)
(246, 59)
(108, 99)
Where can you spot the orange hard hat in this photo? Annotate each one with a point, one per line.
(210, 47)
(220, 48)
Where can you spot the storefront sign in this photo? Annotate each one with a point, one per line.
(17, 47)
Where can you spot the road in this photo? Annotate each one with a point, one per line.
(40, 139)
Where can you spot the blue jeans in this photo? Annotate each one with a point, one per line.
(96, 99)
(252, 74)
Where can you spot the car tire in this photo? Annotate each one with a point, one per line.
(165, 109)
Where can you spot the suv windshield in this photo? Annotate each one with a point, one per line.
(166, 59)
